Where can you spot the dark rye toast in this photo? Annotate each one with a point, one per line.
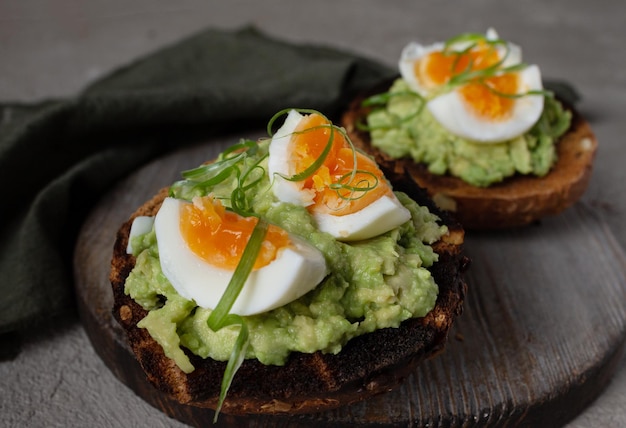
(367, 365)
(517, 201)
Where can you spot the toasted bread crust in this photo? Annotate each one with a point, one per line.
(517, 201)
(367, 365)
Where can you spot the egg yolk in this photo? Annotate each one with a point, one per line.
(219, 236)
(438, 67)
(347, 181)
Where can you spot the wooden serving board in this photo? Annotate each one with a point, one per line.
(542, 332)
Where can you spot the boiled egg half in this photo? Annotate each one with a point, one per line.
(312, 165)
(492, 103)
(201, 243)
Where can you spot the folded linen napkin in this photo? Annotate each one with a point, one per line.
(57, 157)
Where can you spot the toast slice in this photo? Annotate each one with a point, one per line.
(517, 201)
(369, 364)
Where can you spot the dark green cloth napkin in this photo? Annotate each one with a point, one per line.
(58, 157)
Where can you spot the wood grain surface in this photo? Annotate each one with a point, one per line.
(543, 330)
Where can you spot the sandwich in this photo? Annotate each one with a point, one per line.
(479, 130)
(286, 276)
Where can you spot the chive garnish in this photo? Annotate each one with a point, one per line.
(240, 275)
(221, 317)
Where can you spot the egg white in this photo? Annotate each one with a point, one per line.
(453, 113)
(140, 226)
(296, 270)
(380, 216)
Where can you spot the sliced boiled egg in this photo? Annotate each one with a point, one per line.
(470, 89)
(200, 245)
(313, 165)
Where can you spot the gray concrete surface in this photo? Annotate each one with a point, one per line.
(53, 49)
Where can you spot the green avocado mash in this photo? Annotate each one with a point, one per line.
(372, 284)
(404, 129)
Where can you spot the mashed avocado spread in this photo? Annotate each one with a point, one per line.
(404, 129)
(373, 284)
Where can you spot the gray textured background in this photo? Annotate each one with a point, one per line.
(53, 49)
